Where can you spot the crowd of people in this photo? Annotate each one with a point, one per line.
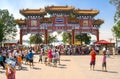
(49, 55)
(10, 58)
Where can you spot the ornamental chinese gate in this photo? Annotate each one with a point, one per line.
(62, 18)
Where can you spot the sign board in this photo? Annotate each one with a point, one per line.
(59, 20)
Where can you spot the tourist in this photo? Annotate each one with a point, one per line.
(26, 57)
(50, 51)
(104, 62)
(93, 58)
(55, 58)
(19, 61)
(108, 52)
(40, 56)
(1, 61)
(104, 49)
(30, 56)
(76, 50)
(97, 49)
(10, 71)
(59, 52)
(4, 54)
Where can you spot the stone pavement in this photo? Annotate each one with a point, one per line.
(72, 67)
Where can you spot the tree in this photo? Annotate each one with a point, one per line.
(116, 31)
(67, 38)
(8, 27)
(36, 39)
(52, 38)
(1, 32)
(83, 38)
(116, 3)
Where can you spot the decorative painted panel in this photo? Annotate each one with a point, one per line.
(85, 23)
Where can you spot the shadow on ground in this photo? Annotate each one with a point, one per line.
(65, 60)
(23, 69)
(2, 71)
(36, 68)
(106, 71)
(62, 66)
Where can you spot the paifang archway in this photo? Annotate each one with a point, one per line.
(62, 18)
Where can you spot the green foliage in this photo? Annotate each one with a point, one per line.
(67, 38)
(36, 39)
(116, 30)
(83, 38)
(7, 25)
(116, 3)
(52, 38)
(1, 32)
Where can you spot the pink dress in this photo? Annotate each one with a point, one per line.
(11, 74)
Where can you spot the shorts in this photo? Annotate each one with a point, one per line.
(104, 64)
(92, 63)
(31, 60)
(49, 59)
(54, 60)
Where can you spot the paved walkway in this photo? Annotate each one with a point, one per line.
(72, 67)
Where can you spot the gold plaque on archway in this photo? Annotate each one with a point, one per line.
(77, 42)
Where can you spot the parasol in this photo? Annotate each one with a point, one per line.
(103, 42)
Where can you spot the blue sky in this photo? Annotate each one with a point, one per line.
(106, 10)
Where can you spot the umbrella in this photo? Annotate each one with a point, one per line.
(103, 42)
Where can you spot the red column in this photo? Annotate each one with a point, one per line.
(73, 36)
(46, 37)
(65, 19)
(21, 36)
(97, 35)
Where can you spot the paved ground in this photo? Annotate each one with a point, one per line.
(72, 67)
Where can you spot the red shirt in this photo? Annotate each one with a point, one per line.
(93, 55)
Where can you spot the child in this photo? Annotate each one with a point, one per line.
(19, 61)
(10, 71)
(104, 63)
(93, 59)
(40, 56)
(55, 58)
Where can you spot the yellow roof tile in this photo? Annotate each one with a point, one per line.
(79, 11)
(57, 8)
(20, 21)
(33, 11)
(99, 21)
